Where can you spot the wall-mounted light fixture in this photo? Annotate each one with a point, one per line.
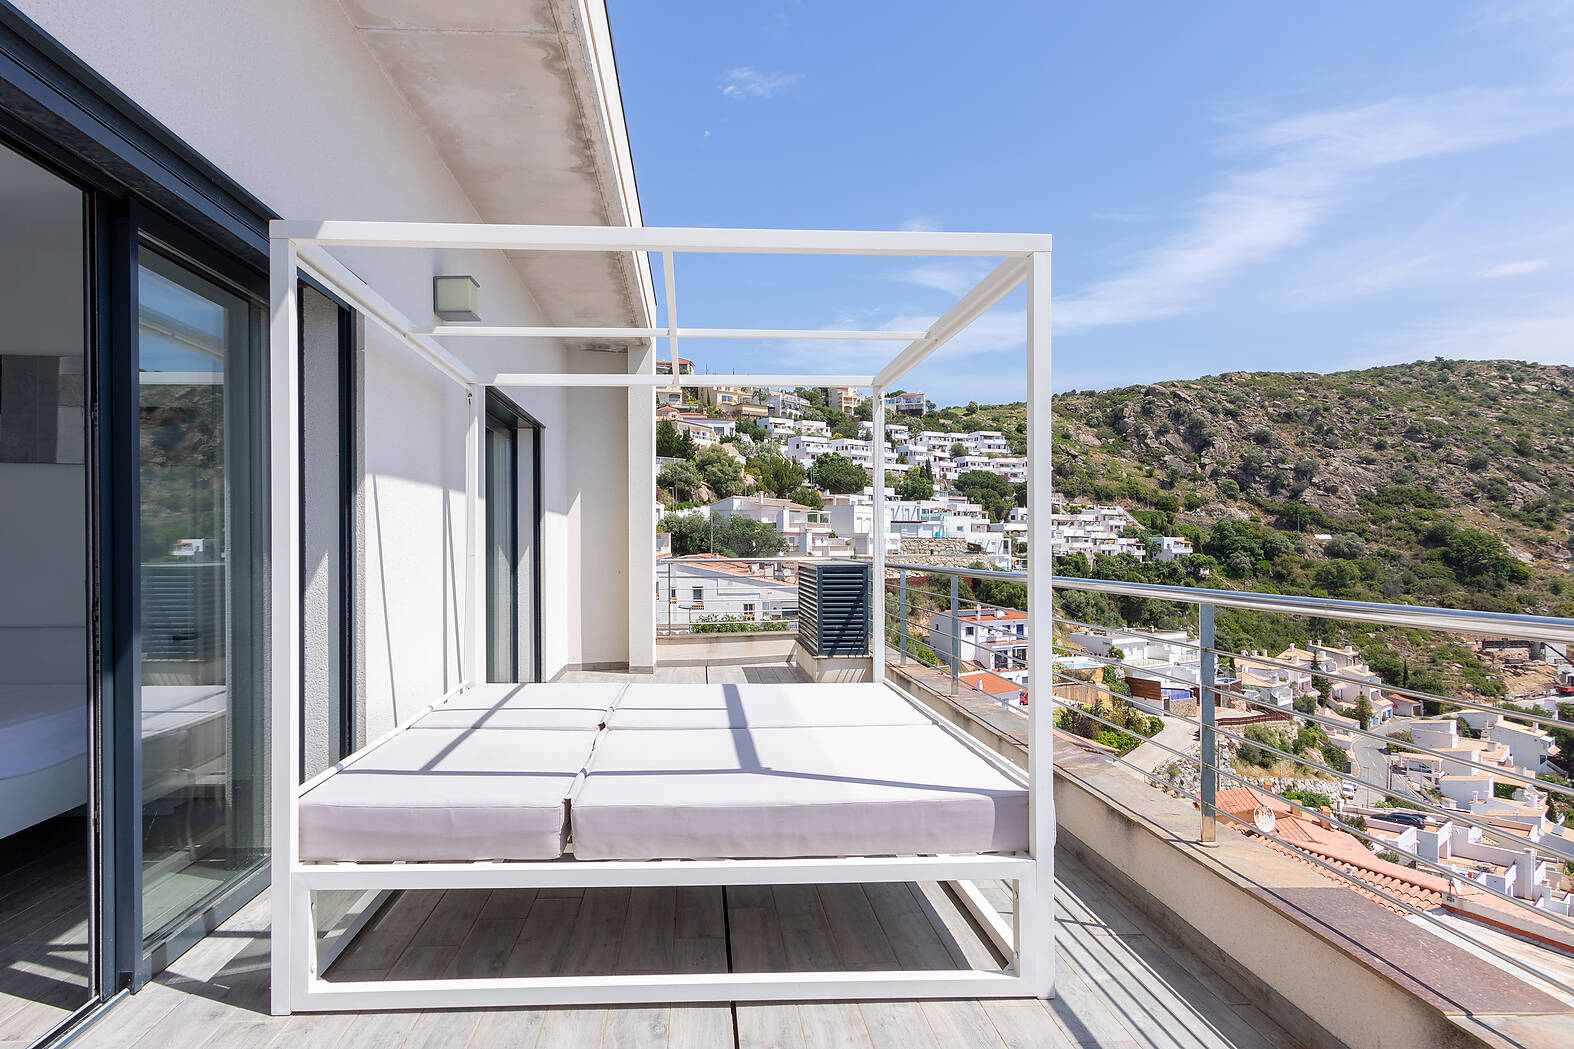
(456, 298)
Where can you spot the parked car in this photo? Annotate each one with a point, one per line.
(1409, 819)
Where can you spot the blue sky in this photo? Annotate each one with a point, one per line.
(1230, 186)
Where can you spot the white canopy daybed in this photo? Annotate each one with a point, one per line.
(644, 784)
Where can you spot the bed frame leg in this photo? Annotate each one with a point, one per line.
(1035, 936)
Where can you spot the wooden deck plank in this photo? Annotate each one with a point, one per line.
(700, 1026)
(807, 942)
(570, 1028)
(543, 941)
(701, 914)
(303, 1031)
(508, 1029)
(1025, 1024)
(1144, 1002)
(246, 1034)
(950, 923)
(442, 1030)
(451, 920)
(486, 950)
(833, 1025)
(386, 936)
(597, 935)
(508, 903)
(755, 936)
(898, 1025)
(860, 938)
(708, 955)
(650, 931)
(1080, 1014)
(961, 1025)
(424, 962)
(377, 1031)
(637, 1027)
(769, 1027)
(912, 936)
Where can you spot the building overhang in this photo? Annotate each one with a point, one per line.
(520, 98)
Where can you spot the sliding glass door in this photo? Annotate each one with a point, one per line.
(48, 945)
(199, 545)
(513, 650)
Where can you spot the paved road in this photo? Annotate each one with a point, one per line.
(1177, 735)
(1370, 763)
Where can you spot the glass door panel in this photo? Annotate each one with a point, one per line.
(47, 940)
(502, 553)
(202, 726)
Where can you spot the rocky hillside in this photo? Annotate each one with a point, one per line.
(1488, 444)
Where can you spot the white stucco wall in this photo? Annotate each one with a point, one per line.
(284, 98)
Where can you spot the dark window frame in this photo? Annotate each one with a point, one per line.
(503, 411)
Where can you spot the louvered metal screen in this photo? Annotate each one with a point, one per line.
(833, 608)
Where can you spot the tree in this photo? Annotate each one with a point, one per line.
(915, 486)
(739, 536)
(958, 449)
(838, 474)
(1364, 711)
(989, 490)
(752, 430)
(777, 474)
(723, 476)
(808, 497)
(669, 443)
(683, 478)
(690, 533)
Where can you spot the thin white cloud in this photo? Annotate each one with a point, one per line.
(1303, 168)
(1002, 328)
(921, 224)
(953, 278)
(1518, 268)
(1541, 332)
(745, 82)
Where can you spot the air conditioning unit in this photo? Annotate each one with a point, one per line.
(834, 607)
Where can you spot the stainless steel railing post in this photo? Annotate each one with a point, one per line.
(956, 636)
(901, 603)
(1207, 697)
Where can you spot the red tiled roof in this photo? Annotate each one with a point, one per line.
(984, 615)
(991, 683)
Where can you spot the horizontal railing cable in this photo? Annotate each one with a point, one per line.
(1344, 875)
(1421, 804)
(1269, 661)
(1494, 770)
(1344, 825)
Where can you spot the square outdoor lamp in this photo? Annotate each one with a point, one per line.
(456, 298)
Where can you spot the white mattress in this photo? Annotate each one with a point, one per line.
(790, 792)
(547, 705)
(786, 705)
(448, 795)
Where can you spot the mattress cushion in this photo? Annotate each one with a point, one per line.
(792, 792)
(784, 705)
(448, 795)
(544, 705)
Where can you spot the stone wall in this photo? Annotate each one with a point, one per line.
(942, 553)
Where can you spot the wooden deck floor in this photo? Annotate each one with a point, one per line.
(43, 930)
(1122, 985)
